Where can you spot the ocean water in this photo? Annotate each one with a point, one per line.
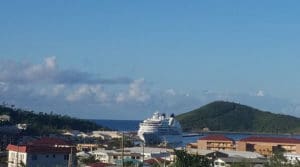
(119, 125)
(133, 125)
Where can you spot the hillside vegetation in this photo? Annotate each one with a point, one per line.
(43, 123)
(229, 116)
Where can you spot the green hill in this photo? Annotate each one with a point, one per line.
(233, 117)
(44, 123)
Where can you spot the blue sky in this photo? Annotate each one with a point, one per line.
(129, 58)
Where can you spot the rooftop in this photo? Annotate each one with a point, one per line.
(240, 159)
(271, 139)
(49, 142)
(43, 145)
(216, 137)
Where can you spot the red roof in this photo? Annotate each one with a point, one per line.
(43, 145)
(154, 161)
(271, 139)
(99, 164)
(49, 142)
(216, 137)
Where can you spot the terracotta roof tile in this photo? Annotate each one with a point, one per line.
(216, 137)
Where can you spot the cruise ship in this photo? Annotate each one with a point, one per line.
(160, 129)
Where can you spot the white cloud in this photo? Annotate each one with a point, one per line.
(85, 92)
(50, 62)
(135, 92)
(170, 92)
(3, 87)
(58, 89)
(49, 72)
(260, 93)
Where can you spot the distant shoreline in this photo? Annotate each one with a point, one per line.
(245, 133)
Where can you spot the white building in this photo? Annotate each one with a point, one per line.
(4, 118)
(109, 134)
(111, 156)
(151, 152)
(228, 161)
(46, 152)
(292, 158)
(135, 153)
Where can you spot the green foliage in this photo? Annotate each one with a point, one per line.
(228, 116)
(116, 143)
(89, 160)
(183, 159)
(242, 164)
(278, 160)
(44, 123)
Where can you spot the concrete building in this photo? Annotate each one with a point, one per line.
(46, 152)
(112, 156)
(229, 161)
(292, 158)
(4, 118)
(134, 153)
(215, 142)
(267, 145)
(211, 154)
(87, 147)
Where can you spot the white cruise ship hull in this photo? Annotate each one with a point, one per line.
(159, 129)
(155, 138)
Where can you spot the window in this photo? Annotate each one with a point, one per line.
(66, 157)
(222, 164)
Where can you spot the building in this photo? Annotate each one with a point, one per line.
(4, 118)
(46, 152)
(229, 161)
(87, 147)
(215, 142)
(133, 153)
(113, 156)
(107, 134)
(292, 158)
(211, 154)
(267, 145)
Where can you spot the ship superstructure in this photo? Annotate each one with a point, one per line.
(160, 129)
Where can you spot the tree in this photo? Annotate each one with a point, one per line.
(278, 159)
(183, 159)
(90, 160)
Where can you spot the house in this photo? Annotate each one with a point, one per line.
(46, 152)
(155, 162)
(215, 142)
(112, 156)
(100, 164)
(229, 161)
(87, 147)
(292, 158)
(151, 152)
(4, 118)
(267, 145)
(211, 154)
(133, 153)
(107, 134)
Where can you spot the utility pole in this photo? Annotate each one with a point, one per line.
(70, 162)
(165, 141)
(143, 143)
(122, 144)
